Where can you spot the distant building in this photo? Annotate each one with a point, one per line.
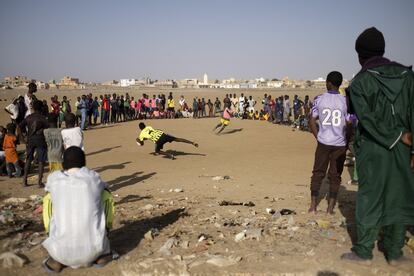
(111, 83)
(166, 84)
(17, 81)
(205, 79)
(188, 83)
(68, 82)
(275, 84)
(127, 82)
(42, 85)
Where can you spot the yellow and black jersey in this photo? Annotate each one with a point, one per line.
(150, 134)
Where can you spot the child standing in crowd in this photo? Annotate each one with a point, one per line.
(106, 109)
(200, 109)
(217, 106)
(297, 107)
(9, 147)
(203, 108)
(53, 137)
(170, 107)
(195, 108)
(330, 109)
(286, 110)
(71, 135)
(95, 110)
(210, 108)
(34, 125)
(224, 120)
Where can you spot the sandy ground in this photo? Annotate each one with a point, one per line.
(269, 165)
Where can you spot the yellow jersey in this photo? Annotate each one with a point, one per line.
(170, 103)
(150, 134)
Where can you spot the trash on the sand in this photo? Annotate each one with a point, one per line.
(38, 210)
(165, 249)
(153, 232)
(240, 236)
(184, 244)
(9, 260)
(222, 261)
(35, 239)
(6, 216)
(177, 258)
(294, 228)
(219, 177)
(230, 203)
(176, 190)
(15, 200)
(340, 223)
(410, 243)
(270, 211)
(203, 237)
(324, 224)
(274, 199)
(33, 179)
(291, 221)
(286, 212)
(2, 219)
(37, 198)
(310, 253)
(329, 235)
(254, 233)
(277, 216)
(148, 207)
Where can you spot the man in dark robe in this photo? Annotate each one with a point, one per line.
(382, 97)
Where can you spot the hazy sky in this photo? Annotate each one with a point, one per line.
(102, 40)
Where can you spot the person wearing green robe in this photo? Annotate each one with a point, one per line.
(382, 97)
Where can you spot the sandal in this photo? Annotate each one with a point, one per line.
(112, 256)
(47, 268)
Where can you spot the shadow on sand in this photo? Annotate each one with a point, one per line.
(119, 166)
(231, 131)
(102, 150)
(132, 198)
(345, 205)
(127, 180)
(128, 237)
(182, 153)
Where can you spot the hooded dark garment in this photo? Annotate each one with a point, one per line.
(382, 97)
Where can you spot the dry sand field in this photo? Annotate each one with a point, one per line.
(197, 226)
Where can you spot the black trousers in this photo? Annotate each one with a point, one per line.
(325, 155)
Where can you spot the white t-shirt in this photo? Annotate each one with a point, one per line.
(241, 103)
(14, 109)
(72, 137)
(77, 234)
(28, 103)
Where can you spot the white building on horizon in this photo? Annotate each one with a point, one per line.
(205, 79)
(127, 82)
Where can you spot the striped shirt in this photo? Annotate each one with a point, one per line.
(150, 134)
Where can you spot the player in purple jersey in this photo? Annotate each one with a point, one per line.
(330, 109)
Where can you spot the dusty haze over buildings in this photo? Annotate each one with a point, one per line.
(103, 40)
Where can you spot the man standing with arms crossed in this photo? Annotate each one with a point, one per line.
(382, 96)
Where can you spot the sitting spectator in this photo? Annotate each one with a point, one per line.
(82, 214)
